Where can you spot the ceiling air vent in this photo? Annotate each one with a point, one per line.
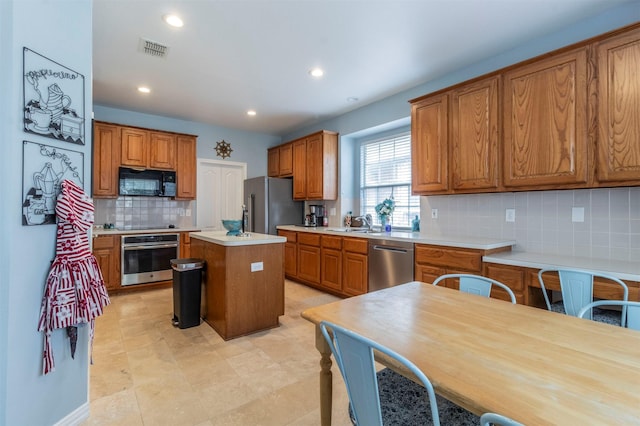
(153, 48)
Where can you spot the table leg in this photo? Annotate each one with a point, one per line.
(326, 390)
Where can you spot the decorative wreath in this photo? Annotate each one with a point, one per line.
(223, 149)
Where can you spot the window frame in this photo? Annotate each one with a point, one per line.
(407, 205)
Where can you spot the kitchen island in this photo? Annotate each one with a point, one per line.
(244, 281)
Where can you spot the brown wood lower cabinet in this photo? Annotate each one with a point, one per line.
(355, 266)
(185, 245)
(431, 261)
(290, 253)
(337, 265)
(524, 283)
(309, 258)
(511, 276)
(106, 249)
(331, 262)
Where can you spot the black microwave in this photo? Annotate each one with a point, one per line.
(150, 183)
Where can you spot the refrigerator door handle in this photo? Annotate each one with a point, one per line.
(251, 212)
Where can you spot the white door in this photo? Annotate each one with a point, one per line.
(220, 192)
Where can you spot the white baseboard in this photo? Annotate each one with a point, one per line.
(76, 417)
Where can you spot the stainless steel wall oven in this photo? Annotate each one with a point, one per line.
(147, 258)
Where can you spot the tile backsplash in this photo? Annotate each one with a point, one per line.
(134, 212)
(543, 220)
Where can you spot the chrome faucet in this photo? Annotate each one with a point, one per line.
(368, 220)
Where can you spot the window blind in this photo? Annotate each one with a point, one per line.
(385, 171)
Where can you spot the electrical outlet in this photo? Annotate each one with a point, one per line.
(434, 213)
(188, 212)
(577, 214)
(257, 266)
(332, 211)
(510, 215)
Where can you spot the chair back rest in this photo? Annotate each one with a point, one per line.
(632, 319)
(355, 358)
(577, 289)
(633, 316)
(477, 284)
(488, 419)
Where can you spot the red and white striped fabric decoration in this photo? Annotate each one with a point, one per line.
(74, 292)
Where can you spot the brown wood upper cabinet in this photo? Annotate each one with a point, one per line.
(475, 124)
(106, 160)
(116, 146)
(619, 109)
(280, 161)
(455, 138)
(429, 145)
(566, 119)
(315, 167)
(186, 167)
(546, 126)
(141, 148)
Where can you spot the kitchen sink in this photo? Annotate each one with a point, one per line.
(359, 230)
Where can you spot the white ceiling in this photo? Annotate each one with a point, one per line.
(235, 55)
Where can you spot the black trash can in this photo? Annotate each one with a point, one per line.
(187, 293)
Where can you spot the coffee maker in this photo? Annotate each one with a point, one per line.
(315, 214)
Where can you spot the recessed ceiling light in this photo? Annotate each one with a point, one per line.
(251, 112)
(173, 20)
(316, 72)
(143, 89)
(352, 99)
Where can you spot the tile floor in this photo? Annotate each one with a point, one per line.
(146, 372)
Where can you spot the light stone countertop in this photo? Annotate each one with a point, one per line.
(620, 269)
(98, 230)
(414, 237)
(251, 238)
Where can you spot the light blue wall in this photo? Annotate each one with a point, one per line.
(60, 30)
(248, 147)
(6, 192)
(396, 107)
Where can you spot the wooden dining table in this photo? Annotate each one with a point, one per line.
(488, 355)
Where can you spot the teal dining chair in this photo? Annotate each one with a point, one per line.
(632, 319)
(386, 397)
(477, 284)
(488, 419)
(576, 286)
(355, 358)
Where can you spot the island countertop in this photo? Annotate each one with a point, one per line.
(250, 239)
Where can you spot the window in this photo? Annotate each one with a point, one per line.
(385, 171)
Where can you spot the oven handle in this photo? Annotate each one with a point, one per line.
(150, 247)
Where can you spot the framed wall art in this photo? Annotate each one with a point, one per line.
(53, 99)
(44, 168)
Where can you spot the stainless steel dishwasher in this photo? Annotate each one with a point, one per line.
(390, 263)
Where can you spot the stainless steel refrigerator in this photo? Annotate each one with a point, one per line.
(270, 203)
